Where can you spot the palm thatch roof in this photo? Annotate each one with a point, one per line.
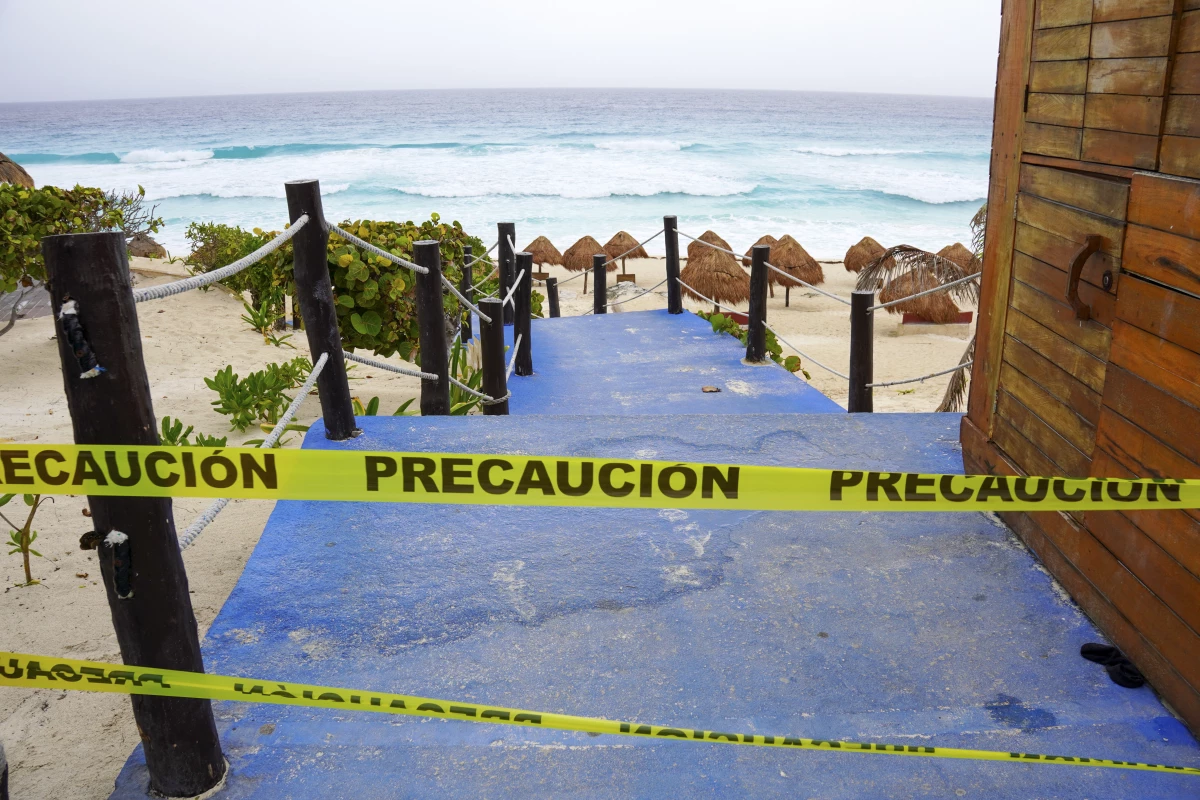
(544, 252)
(768, 239)
(620, 245)
(695, 249)
(789, 256)
(12, 172)
(937, 307)
(960, 255)
(902, 259)
(861, 254)
(716, 275)
(579, 255)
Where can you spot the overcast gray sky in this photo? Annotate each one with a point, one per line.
(86, 49)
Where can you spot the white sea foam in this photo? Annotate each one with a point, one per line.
(840, 152)
(153, 155)
(654, 145)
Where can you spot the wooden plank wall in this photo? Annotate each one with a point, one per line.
(1180, 149)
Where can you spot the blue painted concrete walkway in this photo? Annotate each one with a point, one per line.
(916, 629)
(652, 362)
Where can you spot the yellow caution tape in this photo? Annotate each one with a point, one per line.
(41, 672)
(525, 480)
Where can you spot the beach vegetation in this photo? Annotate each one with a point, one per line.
(723, 324)
(371, 409)
(261, 396)
(21, 538)
(173, 434)
(262, 319)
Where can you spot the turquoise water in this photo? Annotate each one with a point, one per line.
(826, 168)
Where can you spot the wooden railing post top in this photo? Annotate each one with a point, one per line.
(762, 249)
(303, 182)
(427, 243)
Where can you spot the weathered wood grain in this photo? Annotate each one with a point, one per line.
(1065, 458)
(1053, 140)
(1060, 13)
(1142, 453)
(1058, 382)
(1060, 318)
(1134, 38)
(1070, 357)
(1189, 33)
(1056, 109)
(1120, 76)
(1058, 77)
(1180, 155)
(1123, 149)
(1055, 413)
(1070, 223)
(1052, 281)
(1126, 113)
(1100, 195)
(1113, 10)
(1166, 313)
(1166, 203)
(1185, 75)
(1110, 170)
(1058, 251)
(1164, 257)
(1183, 115)
(1165, 364)
(1062, 44)
(1166, 417)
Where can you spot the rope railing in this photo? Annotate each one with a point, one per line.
(635, 247)
(629, 299)
(934, 290)
(201, 522)
(575, 277)
(370, 248)
(508, 298)
(481, 256)
(484, 399)
(709, 299)
(512, 362)
(209, 278)
(370, 362)
(923, 378)
(494, 273)
(782, 340)
(449, 284)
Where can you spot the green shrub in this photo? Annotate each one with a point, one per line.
(214, 246)
(26, 215)
(259, 397)
(723, 324)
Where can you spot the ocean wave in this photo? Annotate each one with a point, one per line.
(153, 155)
(31, 159)
(841, 152)
(651, 145)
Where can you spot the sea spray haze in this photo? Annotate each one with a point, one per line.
(826, 168)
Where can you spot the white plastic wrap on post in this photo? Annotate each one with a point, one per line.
(209, 278)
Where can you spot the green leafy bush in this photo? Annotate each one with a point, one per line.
(21, 538)
(26, 215)
(174, 435)
(723, 324)
(259, 397)
(214, 246)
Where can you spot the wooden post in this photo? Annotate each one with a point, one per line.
(507, 231)
(862, 352)
(756, 341)
(431, 328)
(491, 345)
(787, 295)
(464, 286)
(599, 284)
(311, 274)
(552, 296)
(674, 295)
(151, 607)
(522, 299)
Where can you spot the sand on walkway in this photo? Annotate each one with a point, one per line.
(72, 744)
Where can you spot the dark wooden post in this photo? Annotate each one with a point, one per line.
(674, 295)
(599, 284)
(756, 341)
(311, 274)
(507, 231)
(464, 286)
(491, 345)
(862, 352)
(522, 299)
(552, 296)
(151, 609)
(431, 328)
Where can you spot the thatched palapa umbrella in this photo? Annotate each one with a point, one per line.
(905, 270)
(716, 275)
(14, 173)
(544, 252)
(578, 257)
(768, 239)
(624, 246)
(937, 307)
(788, 255)
(861, 254)
(695, 249)
(960, 255)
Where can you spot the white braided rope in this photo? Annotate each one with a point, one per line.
(934, 290)
(782, 340)
(636, 296)
(201, 522)
(209, 278)
(576, 276)
(370, 248)
(462, 299)
(481, 256)
(485, 399)
(495, 271)
(508, 298)
(789, 276)
(635, 247)
(923, 378)
(710, 300)
(370, 362)
(512, 362)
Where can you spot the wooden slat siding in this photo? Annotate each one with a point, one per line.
(1070, 223)
(1016, 31)
(1163, 363)
(982, 457)
(1175, 586)
(1134, 38)
(1166, 204)
(1166, 313)
(1053, 140)
(1057, 251)
(1122, 149)
(1058, 382)
(1061, 13)
(1071, 357)
(1164, 257)
(1113, 10)
(1060, 318)
(1056, 109)
(1183, 115)
(1062, 457)
(1103, 196)
(1146, 76)
(1058, 415)
(1050, 280)
(1125, 173)
(1140, 452)
(1180, 156)
(1189, 33)
(1185, 77)
(1125, 113)
(1062, 44)
(1172, 421)
(1174, 531)
(1018, 448)
(1059, 77)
